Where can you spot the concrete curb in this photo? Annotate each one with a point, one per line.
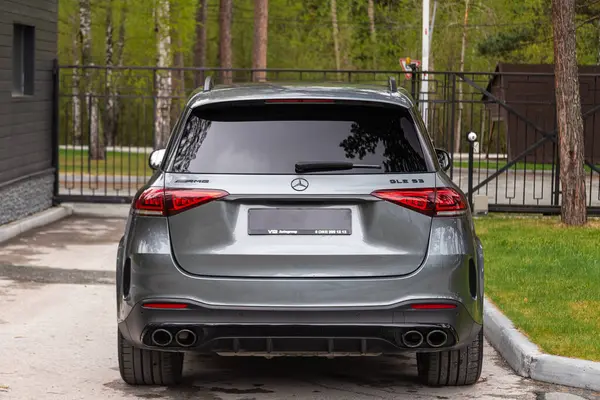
(55, 214)
(95, 210)
(528, 361)
(40, 219)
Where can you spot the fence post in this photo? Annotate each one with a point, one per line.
(154, 96)
(471, 138)
(453, 123)
(414, 83)
(556, 194)
(55, 140)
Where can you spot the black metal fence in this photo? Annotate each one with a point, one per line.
(108, 120)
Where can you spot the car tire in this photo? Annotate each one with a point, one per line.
(459, 367)
(148, 367)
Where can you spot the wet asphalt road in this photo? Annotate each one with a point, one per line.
(58, 340)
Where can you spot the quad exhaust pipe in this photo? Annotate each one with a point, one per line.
(185, 338)
(162, 337)
(412, 339)
(437, 338)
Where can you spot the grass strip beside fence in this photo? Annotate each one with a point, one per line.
(546, 278)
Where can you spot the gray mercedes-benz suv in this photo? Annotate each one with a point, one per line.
(296, 220)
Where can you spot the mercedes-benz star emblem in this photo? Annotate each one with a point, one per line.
(299, 184)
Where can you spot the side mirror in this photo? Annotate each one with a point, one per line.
(156, 159)
(444, 159)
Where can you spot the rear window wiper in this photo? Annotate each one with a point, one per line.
(322, 166)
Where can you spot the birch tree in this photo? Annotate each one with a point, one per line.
(598, 43)
(96, 149)
(162, 117)
(109, 129)
(261, 24)
(225, 53)
(568, 113)
(178, 88)
(336, 37)
(461, 67)
(113, 56)
(77, 133)
(200, 45)
(178, 59)
(371, 14)
(82, 58)
(120, 45)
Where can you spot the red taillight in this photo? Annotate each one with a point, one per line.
(433, 306)
(429, 201)
(299, 101)
(167, 202)
(166, 306)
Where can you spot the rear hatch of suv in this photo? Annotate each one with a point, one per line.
(294, 189)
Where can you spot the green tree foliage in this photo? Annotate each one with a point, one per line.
(300, 32)
(301, 36)
(524, 32)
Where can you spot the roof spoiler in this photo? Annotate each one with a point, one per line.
(392, 84)
(208, 84)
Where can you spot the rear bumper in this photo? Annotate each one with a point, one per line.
(321, 332)
(452, 272)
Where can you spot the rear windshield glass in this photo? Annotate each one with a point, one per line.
(272, 138)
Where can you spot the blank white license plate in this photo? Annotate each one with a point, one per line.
(299, 221)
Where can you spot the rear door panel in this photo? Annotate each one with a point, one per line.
(385, 239)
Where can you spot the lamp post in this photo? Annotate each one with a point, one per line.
(425, 60)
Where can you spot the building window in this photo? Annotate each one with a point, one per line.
(23, 59)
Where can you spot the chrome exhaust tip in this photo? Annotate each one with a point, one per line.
(412, 339)
(437, 338)
(162, 337)
(185, 338)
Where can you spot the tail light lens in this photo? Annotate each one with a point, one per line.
(433, 306)
(168, 202)
(166, 306)
(429, 201)
(299, 101)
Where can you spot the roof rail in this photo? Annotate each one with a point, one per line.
(208, 84)
(392, 84)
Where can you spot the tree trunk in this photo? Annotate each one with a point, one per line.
(77, 133)
(109, 129)
(568, 114)
(225, 56)
(178, 80)
(371, 13)
(598, 42)
(458, 132)
(336, 37)
(200, 46)
(121, 40)
(119, 56)
(162, 117)
(96, 149)
(261, 26)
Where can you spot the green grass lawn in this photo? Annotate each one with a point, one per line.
(546, 278)
(116, 163)
(496, 165)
